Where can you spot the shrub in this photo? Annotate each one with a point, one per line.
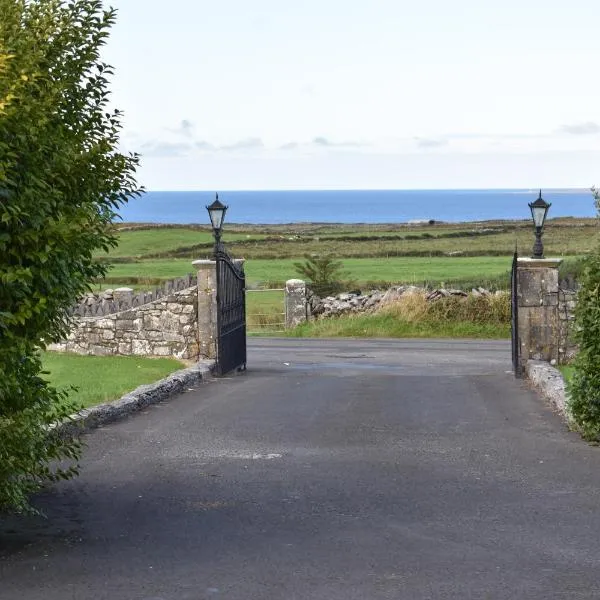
(324, 274)
(584, 385)
(61, 179)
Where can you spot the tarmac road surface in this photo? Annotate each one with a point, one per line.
(331, 470)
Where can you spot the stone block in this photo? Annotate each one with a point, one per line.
(175, 307)
(141, 347)
(98, 350)
(124, 348)
(108, 334)
(296, 307)
(161, 351)
(168, 322)
(537, 286)
(94, 338)
(128, 315)
(538, 333)
(169, 336)
(125, 324)
(151, 322)
(153, 336)
(105, 323)
(188, 298)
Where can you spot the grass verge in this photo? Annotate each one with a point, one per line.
(566, 371)
(101, 379)
(389, 326)
(413, 316)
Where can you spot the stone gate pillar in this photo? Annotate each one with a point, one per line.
(295, 302)
(207, 307)
(539, 324)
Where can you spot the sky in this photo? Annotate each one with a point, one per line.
(359, 94)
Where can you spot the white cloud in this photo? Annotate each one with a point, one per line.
(252, 143)
(165, 148)
(588, 128)
(430, 142)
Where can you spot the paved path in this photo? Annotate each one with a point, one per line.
(358, 470)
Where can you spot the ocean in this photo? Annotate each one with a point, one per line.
(355, 206)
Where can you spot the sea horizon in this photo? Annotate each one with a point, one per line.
(370, 206)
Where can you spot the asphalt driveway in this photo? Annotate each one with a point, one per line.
(331, 470)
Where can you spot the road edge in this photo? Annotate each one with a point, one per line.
(550, 383)
(136, 400)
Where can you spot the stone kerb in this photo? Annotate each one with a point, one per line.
(538, 303)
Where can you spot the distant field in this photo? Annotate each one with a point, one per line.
(373, 255)
(265, 311)
(563, 237)
(142, 242)
(403, 269)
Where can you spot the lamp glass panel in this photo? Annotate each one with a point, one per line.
(216, 212)
(216, 217)
(539, 215)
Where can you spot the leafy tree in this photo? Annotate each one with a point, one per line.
(324, 273)
(584, 386)
(61, 179)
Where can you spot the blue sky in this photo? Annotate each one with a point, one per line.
(232, 94)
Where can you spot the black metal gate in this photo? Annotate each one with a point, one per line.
(514, 304)
(231, 315)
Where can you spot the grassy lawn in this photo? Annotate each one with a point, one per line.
(389, 326)
(103, 378)
(397, 269)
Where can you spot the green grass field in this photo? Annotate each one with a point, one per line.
(563, 237)
(141, 242)
(372, 254)
(265, 311)
(103, 378)
(397, 269)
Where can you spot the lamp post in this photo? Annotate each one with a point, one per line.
(539, 210)
(216, 212)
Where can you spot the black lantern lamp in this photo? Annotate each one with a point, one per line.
(539, 210)
(216, 212)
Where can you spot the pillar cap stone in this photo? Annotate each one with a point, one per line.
(538, 263)
(203, 263)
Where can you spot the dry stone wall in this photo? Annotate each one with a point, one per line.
(165, 327)
(359, 302)
(567, 301)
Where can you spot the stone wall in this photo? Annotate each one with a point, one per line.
(359, 302)
(165, 327)
(567, 300)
